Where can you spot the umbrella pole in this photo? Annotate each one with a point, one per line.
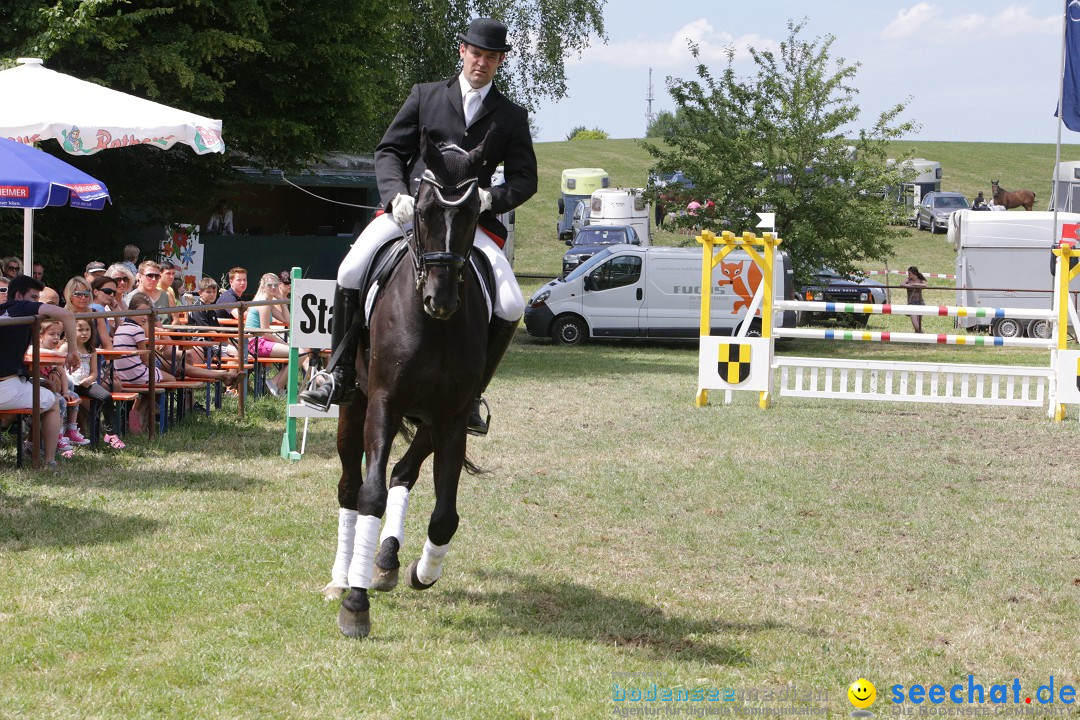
(28, 241)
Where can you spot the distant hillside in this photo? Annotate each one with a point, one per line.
(966, 167)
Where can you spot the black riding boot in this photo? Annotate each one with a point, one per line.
(340, 378)
(500, 334)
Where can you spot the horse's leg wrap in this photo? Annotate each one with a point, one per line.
(397, 503)
(429, 569)
(346, 536)
(367, 535)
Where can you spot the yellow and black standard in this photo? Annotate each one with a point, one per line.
(733, 362)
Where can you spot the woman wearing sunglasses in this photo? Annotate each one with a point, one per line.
(106, 299)
(125, 283)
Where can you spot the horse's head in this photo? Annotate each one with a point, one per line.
(994, 187)
(447, 207)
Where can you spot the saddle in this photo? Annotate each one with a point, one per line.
(384, 261)
(391, 252)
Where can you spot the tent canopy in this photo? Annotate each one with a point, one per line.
(84, 117)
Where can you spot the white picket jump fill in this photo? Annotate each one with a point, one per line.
(946, 383)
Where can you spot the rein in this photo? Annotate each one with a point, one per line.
(423, 260)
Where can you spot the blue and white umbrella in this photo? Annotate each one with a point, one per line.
(32, 179)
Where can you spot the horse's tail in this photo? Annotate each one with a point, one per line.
(408, 432)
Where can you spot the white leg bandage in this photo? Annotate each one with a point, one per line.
(367, 534)
(429, 568)
(346, 536)
(397, 503)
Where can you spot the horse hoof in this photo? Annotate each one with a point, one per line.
(354, 624)
(384, 574)
(383, 580)
(414, 581)
(333, 592)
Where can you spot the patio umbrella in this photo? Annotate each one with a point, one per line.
(85, 117)
(32, 179)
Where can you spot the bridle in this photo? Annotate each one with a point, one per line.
(423, 260)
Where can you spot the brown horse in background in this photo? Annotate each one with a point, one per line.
(1016, 198)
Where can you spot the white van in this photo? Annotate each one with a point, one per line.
(621, 206)
(1003, 261)
(626, 291)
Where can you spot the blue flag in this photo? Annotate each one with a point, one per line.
(1070, 99)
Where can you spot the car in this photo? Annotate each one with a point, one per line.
(591, 239)
(936, 207)
(675, 178)
(827, 285)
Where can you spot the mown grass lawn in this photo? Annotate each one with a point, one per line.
(619, 531)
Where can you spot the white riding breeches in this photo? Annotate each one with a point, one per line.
(509, 304)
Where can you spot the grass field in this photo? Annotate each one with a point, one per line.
(622, 536)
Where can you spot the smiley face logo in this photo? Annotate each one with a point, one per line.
(862, 693)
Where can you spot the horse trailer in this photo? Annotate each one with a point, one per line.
(1065, 194)
(508, 218)
(578, 185)
(622, 206)
(926, 178)
(1003, 260)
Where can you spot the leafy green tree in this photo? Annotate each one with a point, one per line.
(582, 133)
(291, 80)
(778, 141)
(668, 124)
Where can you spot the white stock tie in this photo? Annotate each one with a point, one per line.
(472, 106)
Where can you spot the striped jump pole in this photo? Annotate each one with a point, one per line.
(939, 276)
(913, 337)
(935, 310)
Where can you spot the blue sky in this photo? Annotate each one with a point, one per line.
(972, 71)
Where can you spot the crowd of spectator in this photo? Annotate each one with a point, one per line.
(72, 382)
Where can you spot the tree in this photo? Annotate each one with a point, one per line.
(662, 125)
(291, 81)
(667, 124)
(776, 141)
(583, 133)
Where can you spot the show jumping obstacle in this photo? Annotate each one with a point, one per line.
(740, 364)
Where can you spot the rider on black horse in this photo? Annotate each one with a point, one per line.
(462, 111)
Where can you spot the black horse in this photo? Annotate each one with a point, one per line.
(427, 347)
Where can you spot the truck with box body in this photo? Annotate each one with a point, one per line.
(627, 291)
(1003, 260)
